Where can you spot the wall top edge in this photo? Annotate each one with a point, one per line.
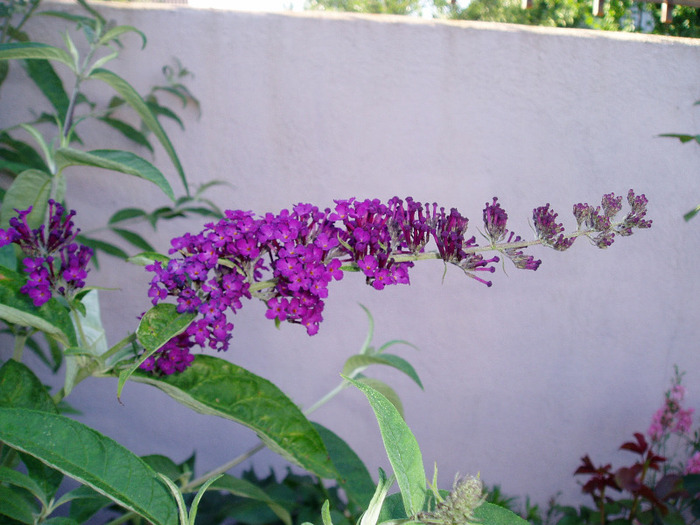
(402, 20)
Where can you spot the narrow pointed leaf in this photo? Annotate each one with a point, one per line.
(134, 238)
(34, 50)
(21, 153)
(131, 96)
(362, 360)
(106, 247)
(17, 308)
(50, 84)
(121, 161)
(128, 131)
(126, 214)
(118, 31)
(21, 480)
(91, 458)
(217, 387)
(402, 449)
(16, 505)
(385, 390)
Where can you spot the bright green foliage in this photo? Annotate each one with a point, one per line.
(393, 7)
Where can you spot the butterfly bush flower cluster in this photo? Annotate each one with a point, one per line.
(54, 262)
(289, 259)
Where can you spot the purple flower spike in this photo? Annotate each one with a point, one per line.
(46, 250)
(289, 259)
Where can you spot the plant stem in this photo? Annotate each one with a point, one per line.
(20, 342)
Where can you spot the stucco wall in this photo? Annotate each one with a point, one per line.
(521, 379)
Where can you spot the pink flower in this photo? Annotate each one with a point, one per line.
(685, 421)
(693, 465)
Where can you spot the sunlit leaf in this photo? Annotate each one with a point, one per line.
(116, 160)
(132, 98)
(402, 450)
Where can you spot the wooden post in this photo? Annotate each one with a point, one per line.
(598, 7)
(667, 11)
(526, 4)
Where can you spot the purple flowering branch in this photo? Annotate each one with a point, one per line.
(289, 259)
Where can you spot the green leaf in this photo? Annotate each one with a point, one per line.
(326, 513)
(692, 213)
(20, 388)
(118, 31)
(353, 476)
(376, 504)
(132, 98)
(50, 84)
(682, 137)
(30, 188)
(497, 515)
(157, 326)
(128, 131)
(401, 448)
(4, 70)
(106, 247)
(160, 324)
(116, 160)
(34, 50)
(163, 465)
(126, 214)
(15, 504)
(46, 478)
(157, 109)
(78, 19)
(134, 238)
(21, 154)
(93, 339)
(360, 361)
(85, 502)
(217, 387)
(145, 258)
(21, 480)
(91, 458)
(17, 308)
(383, 389)
(246, 489)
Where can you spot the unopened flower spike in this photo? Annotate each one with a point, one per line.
(458, 507)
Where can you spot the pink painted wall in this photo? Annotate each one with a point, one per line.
(521, 379)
